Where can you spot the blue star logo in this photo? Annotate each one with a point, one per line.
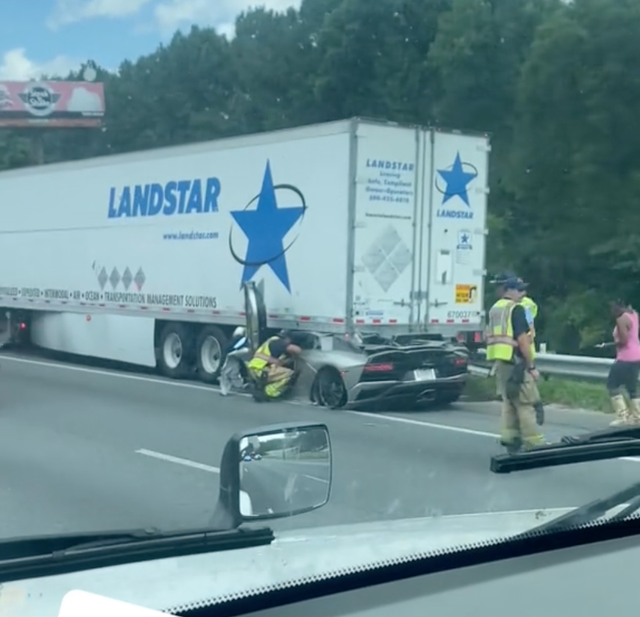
(457, 180)
(464, 239)
(265, 228)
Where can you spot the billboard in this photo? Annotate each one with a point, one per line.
(51, 104)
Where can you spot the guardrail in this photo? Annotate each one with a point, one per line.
(576, 367)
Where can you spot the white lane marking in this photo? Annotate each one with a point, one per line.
(245, 501)
(178, 461)
(454, 429)
(443, 427)
(97, 371)
(179, 384)
(304, 475)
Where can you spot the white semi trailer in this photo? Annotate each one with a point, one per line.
(350, 225)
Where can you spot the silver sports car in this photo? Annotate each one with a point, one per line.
(338, 372)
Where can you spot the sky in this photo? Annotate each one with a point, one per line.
(55, 36)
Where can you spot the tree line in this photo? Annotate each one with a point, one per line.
(555, 82)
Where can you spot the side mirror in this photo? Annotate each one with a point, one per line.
(274, 472)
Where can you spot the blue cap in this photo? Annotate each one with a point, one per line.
(499, 279)
(513, 282)
(509, 280)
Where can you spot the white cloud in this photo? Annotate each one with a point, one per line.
(169, 15)
(84, 101)
(15, 66)
(71, 11)
(172, 15)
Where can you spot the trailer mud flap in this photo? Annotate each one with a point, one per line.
(256, 315)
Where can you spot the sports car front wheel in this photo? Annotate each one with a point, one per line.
(332, 392)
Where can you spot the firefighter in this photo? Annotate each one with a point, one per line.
(530, 306)
(271, 356)
(509, 347)
(531, 312)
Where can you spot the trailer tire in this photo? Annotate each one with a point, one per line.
(175, 353)
(210, 353)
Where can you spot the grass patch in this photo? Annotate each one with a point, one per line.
(571, 393)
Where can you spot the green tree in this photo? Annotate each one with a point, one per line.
(554, 83)
(577, 154)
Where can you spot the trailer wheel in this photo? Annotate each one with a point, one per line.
(176, 351)
(210, 353)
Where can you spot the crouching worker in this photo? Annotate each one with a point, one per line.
(268, 364)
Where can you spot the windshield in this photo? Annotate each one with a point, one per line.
(435, 202)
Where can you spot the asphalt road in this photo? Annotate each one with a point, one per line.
(86, 449)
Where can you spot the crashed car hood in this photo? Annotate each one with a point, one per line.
(178, 583)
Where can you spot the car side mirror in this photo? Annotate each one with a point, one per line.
(274, 472)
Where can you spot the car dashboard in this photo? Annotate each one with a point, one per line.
(585, 579)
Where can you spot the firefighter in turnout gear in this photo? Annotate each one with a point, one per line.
(509, 347)
(529, 305)
(531, 312)
(268, 363)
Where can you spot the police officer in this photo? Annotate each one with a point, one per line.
(509, 346)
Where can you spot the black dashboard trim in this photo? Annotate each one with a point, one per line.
(420, 565)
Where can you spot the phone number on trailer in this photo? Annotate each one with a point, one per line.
(398, 200)
(143, 299)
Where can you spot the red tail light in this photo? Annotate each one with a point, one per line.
(460, 361)
(378, 368)
(23, 326)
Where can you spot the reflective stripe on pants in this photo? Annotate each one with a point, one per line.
(278, 377)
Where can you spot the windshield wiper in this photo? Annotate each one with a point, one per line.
(34, 557)
(596, 446)
(588, 447)
(594, 510)
(68, 545)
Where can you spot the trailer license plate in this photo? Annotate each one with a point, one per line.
(425, 374)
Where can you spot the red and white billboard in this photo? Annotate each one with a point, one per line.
(51, 104)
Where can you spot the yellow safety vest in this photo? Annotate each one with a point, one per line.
(262, 357)
(530, 305)
(500, 341)
(528, 302)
